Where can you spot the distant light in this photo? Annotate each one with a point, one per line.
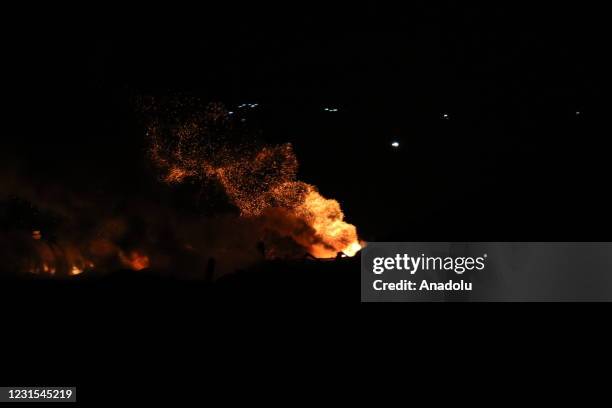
(230, 113)
(395, 144)
(330, 109)
(445, 116)
(578, 113)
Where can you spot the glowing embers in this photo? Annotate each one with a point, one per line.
(256, 179)
(177, 175)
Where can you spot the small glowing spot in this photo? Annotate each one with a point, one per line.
(445, 116)
(76, 271)
(352, 249)
(395, 144)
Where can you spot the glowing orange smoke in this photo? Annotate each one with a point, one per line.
(255, 178)
(134, 260)
(326, 218)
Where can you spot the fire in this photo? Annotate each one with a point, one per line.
(352, 249)
(48, 269)
(58, 259)
(255, 178)
(75, 271)
(280, 216)
(51, 269)
(134, 260)
(327, 219)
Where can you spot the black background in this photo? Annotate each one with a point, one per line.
(513, 162)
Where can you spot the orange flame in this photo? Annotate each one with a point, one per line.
(327, 219)
(75, 271)
(135, 260)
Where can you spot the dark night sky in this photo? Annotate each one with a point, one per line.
(513, 160)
